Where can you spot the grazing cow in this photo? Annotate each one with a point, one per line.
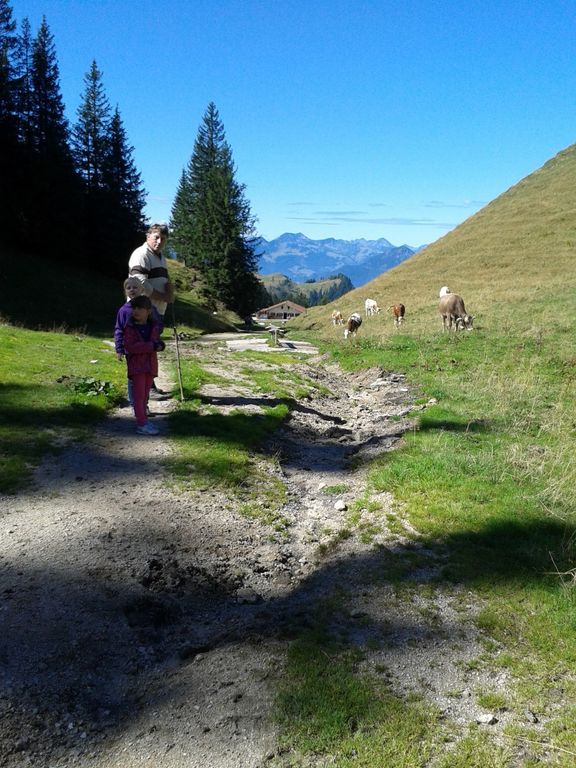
(452, 309)
(337, 318)
(398, 312)
(371, 307)
(444, 291)
(354, 322)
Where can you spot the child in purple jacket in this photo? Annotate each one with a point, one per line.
(132, 288)
(141, 342)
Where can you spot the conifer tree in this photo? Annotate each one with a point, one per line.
(9, 147)
(91, 151)
(23, 79)
(52, 199)
(90, 134)
(125, 196)
(181, 222)
(212, 225)
(50, 127)
(8, 42)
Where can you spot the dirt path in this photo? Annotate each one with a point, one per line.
(142, 627)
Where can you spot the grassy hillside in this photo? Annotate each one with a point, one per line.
(42, 294)
(518, 251)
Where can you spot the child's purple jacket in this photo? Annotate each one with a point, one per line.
(139, 343)
(122, 318)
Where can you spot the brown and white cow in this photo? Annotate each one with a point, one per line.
(337, 318)
(452, 310)
(398, 312)
(353, 323)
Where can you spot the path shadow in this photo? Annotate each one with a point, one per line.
(102, 636)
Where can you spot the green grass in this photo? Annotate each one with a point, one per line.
(335, 490)
(218, 450)
(36, 409)
(277, 377)
(214, 450)
(327, 708)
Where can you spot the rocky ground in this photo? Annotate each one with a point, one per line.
(146, 627)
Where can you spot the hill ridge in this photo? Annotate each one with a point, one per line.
(519, 246)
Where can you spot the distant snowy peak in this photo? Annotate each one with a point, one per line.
(301, 258)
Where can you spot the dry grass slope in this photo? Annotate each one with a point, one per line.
(518, 249)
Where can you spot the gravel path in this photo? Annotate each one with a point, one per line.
(147, 627)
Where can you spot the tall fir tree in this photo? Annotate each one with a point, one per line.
(90, 134)
(50, 127)
(125, 196)
(91, 151)
(52, 204)
(23, 75)
(181, 221)
(8, 43)
(10, 209)
(212, 224)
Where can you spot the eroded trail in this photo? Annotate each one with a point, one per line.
(146, 627)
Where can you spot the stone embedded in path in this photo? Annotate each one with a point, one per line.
(487, 719)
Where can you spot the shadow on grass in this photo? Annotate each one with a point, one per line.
(523, 551)
(29, 426)
(40, 407)
(240, 401)
(429, 423)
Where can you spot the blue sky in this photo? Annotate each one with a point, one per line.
(346, 118)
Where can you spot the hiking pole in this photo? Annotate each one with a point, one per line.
(177, 353)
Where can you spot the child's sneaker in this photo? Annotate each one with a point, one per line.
(147, 429)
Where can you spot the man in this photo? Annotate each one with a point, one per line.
(148, 264)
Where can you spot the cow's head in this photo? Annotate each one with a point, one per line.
(466, 321)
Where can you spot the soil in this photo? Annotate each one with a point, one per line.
(146, 626)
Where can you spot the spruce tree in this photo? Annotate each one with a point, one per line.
(124, 194)
(90, 134)
(212, 225)
(23, 75)
(8, 43)
(49, 125)
(90, 147)
(181, 222)
(53, 202)
(10, 208)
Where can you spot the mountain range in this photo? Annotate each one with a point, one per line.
(301, 258)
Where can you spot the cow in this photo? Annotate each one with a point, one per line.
(371, 307)
(452, 309)
(398, 312)
(444, 291)
(337, 318)
(354, 322)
